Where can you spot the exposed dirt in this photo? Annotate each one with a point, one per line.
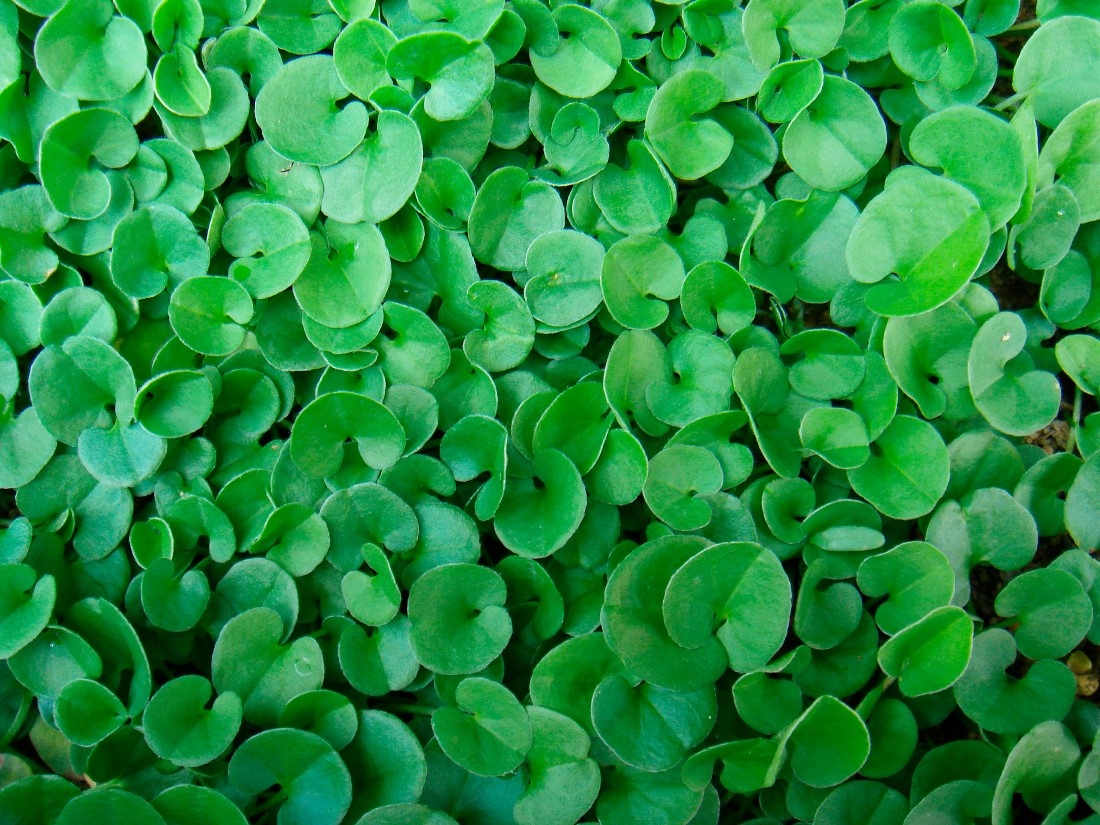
(1012, 291)
(1053, 438)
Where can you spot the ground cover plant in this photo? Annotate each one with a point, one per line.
(490, 411)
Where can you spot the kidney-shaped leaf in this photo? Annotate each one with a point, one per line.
(929, 231)
(297, 111)
(741, 587)
(459, 624)
(179, 727)
(828, 743)
(487, 732)
(313, 780)
(908, 470)
(931, 654)
(318, 436)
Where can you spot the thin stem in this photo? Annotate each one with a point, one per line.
(1005, 55)
(275, 800)
(1071, 441)
(1027, 25)
(420, 711)
(1011, 102)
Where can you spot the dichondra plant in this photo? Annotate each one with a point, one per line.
(510, 412)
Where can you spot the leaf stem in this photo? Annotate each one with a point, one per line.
(1005, 55)
(275, 800)
(1026, 26)
(1075, 419)
(416, 709)
(1011, 102)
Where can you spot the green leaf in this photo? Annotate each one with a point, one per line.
(459, 624)
(1047, 754)
(509, 331)
(739, 587)
(271, 245)
(27, 604)
(563, 781)
(182, 804)
(1080, 507)
(628, 794)
(679, 479)
(346, 278)
(837, 435)
(175, 403)
(487, 732)
(180, 85)
(926, 355)
(314, 782)
(318, 436)
(1079, 358)
(109, 805)
(633, 620)
(377, 179)
(691, 144)
(1067, 156)
(649, 727)
(1014, 398)
(459, 72)
(360, 54)
(638, 197)
(38, 797)
(915, 576)
(585, 57)
(907, 472)
(934, 257)
(836, 139)
(509, 213)
(538, 515)
(250, 661)
(639, 275)
(1005, 703)
(996, 175)
(929, 41)
(75, 151)
(1052, 610)
(298, 113)
(208, 314)
(179, 727)
(26, 447)
(87, 712)
(702, 367)
(828, 743)
(1049, 68)
(173, 600)
(931, 654)
(88, 52)
(812, 29)
(862, 802)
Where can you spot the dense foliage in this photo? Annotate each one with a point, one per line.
(494, 412)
